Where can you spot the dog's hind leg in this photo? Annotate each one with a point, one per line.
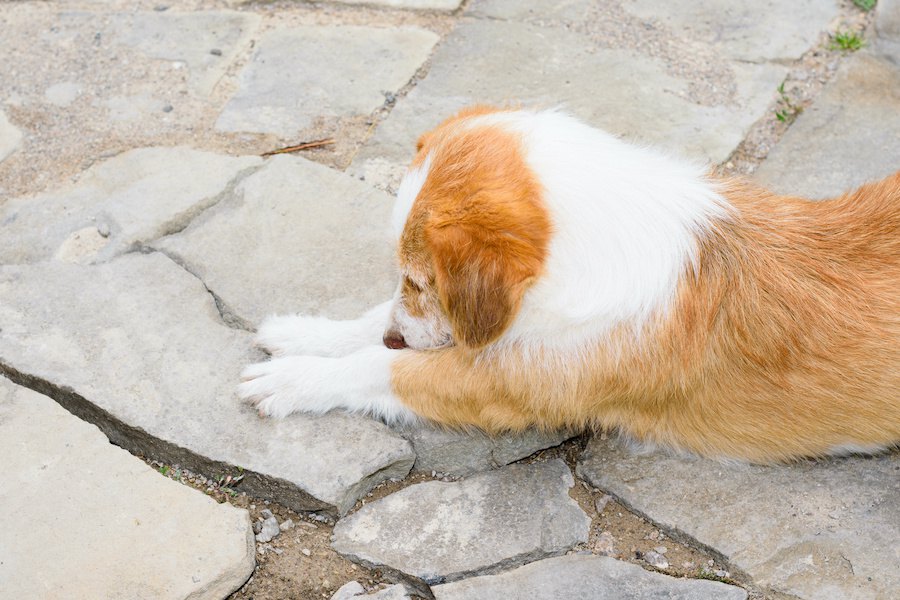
(292, 335)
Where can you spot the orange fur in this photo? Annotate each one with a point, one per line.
(477, 232)
(784, 342)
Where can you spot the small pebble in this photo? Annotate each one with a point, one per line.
(167, 108)
(288, 524)
(601, 502)
(266, 513)
(661, 549)
(215, 52)
(269, 530)
(656, 559)
(103, 230)
(306, 552)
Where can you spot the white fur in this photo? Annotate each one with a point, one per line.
(409, 189)
(318, 336)
(359, 382)
(626, 222)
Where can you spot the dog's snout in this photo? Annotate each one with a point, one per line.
(393, 339)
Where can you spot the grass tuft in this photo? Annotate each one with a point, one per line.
(849, 41)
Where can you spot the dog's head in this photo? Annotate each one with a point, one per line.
(472, 234)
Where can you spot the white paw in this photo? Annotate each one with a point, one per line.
(284, 335)
(285, 385)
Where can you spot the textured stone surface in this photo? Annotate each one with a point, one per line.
(615, 89)
(138, 341)
(191, 38)
(136, 196)
(461, 453)
(10, 137)
(296, 75)
(353, 589)
(748, 31)
(82, 518)
(439, 532)
(580, 577)
(818, 531)
(849, 136)
(293, 237)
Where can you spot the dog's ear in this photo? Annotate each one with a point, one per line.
(481, 275)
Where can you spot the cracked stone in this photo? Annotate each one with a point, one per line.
(823, 534)
(137, 346)
(110, 527)
(637, 98)
(295, 236)
(462, 453)
(849, 136)
(585, 577)
(353, 66)
(749, 31)
(188, 37)
(435, 531)
(136, 196)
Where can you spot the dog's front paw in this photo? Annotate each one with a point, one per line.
(283, 386)
(285, 335)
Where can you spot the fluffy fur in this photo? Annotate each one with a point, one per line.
(554, 276)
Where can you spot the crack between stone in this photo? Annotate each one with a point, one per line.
(143, 444)
(227, 315)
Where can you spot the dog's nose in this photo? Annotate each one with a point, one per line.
(393, 339)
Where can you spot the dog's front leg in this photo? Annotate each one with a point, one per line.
(287, 335)
(358, 382)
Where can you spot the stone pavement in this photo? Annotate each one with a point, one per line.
(143, 236)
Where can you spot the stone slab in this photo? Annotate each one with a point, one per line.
(619, 90)
(137, 346)
(748, 31)
(585, 577)
(293, 237)
(132, 198)
(82, 518)
(459, 454)
(436, 532)
(303, 73)
(206, 41)
(816, 531)
(849, 136)
(10, 137)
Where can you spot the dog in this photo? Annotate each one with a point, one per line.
(555, 276)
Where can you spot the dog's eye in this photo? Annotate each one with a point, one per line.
(412, 284)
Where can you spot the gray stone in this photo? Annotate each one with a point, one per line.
(137, 346)
(849, 136)
(138, 195)
(585, 577)
(437, 531)
(887, 21)
(748, 31)
(10, 137)
(825, 530)
(294, 237)
(463, 453)
(108, 525)
(188, 37)
(297, 75)
(351, 589)
(444, 5)
(619, 90)
(268, 531)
